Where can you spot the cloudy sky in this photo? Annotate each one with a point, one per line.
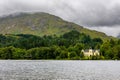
(101, 15)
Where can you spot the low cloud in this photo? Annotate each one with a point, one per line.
(113, 30)
(102, 15)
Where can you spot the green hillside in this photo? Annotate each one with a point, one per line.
(42, 24)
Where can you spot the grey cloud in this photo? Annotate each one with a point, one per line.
(90, 13)
(113, 30)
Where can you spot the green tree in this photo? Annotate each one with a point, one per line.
(72, 55)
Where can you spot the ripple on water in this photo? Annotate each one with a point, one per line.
(59, 70)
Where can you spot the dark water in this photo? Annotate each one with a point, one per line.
(59, 70)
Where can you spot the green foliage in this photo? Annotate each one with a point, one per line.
(72, 55)
(67, 46)
(110, 49)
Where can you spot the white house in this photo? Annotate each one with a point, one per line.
(90, 52)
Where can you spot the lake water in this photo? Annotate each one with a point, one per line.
(59, 70)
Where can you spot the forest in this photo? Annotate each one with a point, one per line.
(65, 47)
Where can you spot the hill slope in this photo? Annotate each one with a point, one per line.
(42, 24)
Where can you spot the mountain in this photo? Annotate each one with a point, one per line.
(42, 24)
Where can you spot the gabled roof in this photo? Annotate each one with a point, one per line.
(87, 50)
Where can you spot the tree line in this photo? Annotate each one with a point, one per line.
(66, 46)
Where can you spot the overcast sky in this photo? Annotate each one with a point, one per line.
(101, 15)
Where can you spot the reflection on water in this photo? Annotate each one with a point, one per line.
(59, 70)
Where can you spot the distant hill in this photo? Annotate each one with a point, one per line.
(42, 24)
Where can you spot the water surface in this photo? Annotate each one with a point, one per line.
(59, 70)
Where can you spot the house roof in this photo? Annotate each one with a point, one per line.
(87, 50)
